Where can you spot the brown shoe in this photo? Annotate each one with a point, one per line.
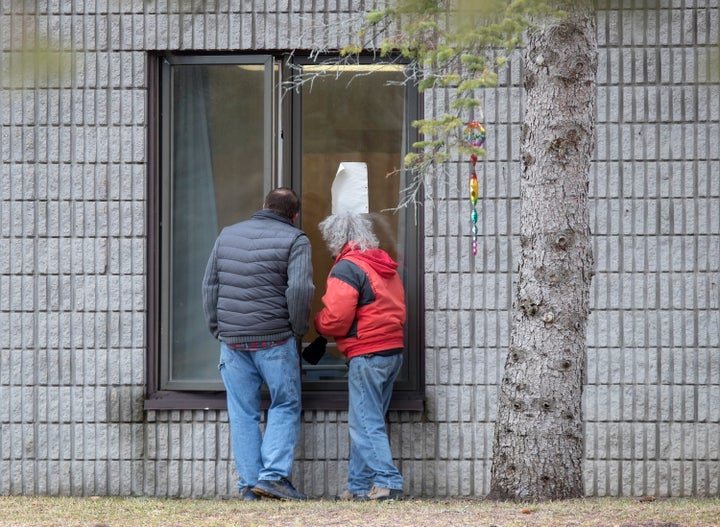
(383, 494)
(346, 495)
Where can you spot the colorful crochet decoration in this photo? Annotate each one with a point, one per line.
(474, 135)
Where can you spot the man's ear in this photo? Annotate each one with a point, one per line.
(295, 217)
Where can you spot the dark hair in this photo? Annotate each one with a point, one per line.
(284, 201)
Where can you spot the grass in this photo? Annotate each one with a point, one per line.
(17, 511)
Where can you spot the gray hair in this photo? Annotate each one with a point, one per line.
(339, 229)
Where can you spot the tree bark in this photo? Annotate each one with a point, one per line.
(539, 438)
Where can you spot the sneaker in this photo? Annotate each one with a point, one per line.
(346, 495)
(383, 494)
(280, 489)
(247, 494)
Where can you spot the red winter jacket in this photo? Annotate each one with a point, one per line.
(364, 303)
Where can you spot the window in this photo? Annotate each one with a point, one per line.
(225, 134)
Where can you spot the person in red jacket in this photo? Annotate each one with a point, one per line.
(364, 311)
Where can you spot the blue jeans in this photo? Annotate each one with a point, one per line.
(243, 372)
(370, 387)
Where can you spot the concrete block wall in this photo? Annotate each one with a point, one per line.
(652, 400)
(73, 182)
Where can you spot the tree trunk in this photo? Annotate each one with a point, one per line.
(539, 436)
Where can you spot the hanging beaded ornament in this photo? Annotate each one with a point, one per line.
(474, 135)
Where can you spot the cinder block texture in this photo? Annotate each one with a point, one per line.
(73, 272)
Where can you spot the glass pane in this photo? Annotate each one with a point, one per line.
(218, 176)
(356, 114)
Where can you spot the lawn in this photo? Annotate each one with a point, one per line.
(139, 512)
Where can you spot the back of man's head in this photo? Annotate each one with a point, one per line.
(284, 201)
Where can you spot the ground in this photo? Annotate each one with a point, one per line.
(39, 511)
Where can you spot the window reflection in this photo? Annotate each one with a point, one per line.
(217, 175)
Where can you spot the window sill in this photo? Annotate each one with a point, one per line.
(407, 401)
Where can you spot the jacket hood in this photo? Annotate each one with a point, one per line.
(378, 259)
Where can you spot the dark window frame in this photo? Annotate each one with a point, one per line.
(315, 399)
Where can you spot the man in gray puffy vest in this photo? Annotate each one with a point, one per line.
(257, 295)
